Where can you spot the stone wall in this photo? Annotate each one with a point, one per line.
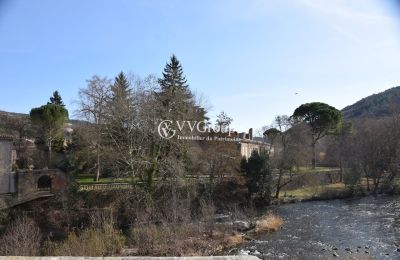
(247, 147)
(27, 181)
(6, 148)
(6, 178)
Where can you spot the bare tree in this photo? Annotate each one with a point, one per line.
(375, 151)
(223, 122)
(287, 139)
(92, 108)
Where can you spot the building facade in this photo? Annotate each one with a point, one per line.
(7, 159)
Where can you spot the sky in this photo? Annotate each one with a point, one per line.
(248, 58)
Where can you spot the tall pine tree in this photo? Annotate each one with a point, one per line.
(122, 126)
(121, 98)
(175, 95)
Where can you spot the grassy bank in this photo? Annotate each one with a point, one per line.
(319, 191)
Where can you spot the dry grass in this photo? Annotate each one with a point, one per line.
(178, 240)
(234, 240)
(267, 223)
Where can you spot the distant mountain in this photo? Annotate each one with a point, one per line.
(12, 114)
(374, 106)
(74, 122)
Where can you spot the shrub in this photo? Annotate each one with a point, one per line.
(22, 238)
(268, 222)
(100, 239)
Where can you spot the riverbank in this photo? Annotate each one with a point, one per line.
(224, 235)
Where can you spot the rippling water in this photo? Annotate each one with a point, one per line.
(351, 229)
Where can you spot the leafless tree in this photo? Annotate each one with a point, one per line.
(289, 142)
(92, 107)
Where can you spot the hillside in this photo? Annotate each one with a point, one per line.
(376, 105)
(15, 119)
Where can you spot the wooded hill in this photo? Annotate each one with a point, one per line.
(374, 106)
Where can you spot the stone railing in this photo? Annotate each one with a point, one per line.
(104, 186)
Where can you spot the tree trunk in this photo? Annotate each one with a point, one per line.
(314, 159)
(49, 145)
(150, 174)
(98, 167)
(341, 171)
(278, 184)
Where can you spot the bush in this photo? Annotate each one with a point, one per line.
(22, 238)
(351, 177)
(100, 239)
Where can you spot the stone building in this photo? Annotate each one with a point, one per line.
(20, 186)
(7, 160)
(248, 143)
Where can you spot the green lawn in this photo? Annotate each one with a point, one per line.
(317, 169)
(313, 191)
(86, 180)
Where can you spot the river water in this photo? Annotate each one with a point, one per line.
(351, 229)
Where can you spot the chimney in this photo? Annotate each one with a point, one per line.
(251, 133)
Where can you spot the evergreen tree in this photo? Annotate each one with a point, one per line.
(120, 102)
(259, 178)
(121, 89)
(56, 99)
(122, 125)
(175, 95)
(51, 119)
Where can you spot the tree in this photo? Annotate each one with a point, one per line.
(338, 150)
(281, 134)
(271, 134)
(223, 122)
(50, 118)
(175, 95)
(373, 151)
(122, 126)
(56, 99)
(173, 101)
(322, 118)
(258, 175)
(92, 109)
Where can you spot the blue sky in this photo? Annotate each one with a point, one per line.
(246, 57)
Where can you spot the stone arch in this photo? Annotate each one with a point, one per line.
(44, 183)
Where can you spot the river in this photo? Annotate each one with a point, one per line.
(361, 228)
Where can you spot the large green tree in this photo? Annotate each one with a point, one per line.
(174, 94)
(323, 120)
(50, 119)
